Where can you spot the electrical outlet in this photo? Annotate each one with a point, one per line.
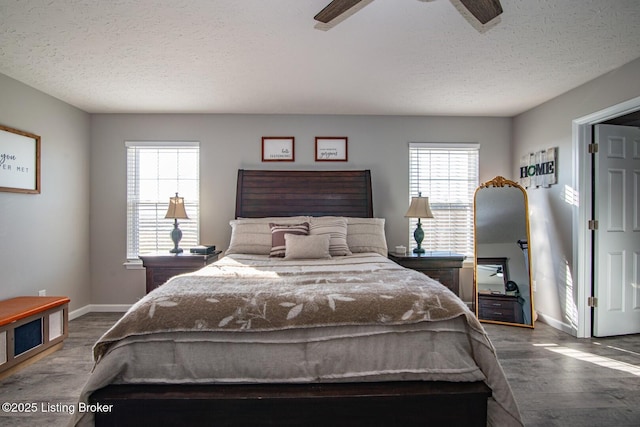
(42, 293)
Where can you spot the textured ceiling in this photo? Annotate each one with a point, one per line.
(408, 57)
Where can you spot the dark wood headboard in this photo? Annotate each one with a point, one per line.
(262, 193)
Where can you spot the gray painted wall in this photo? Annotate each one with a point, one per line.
(550, 125)
(230, 142)
(50, 240)
(44, 238)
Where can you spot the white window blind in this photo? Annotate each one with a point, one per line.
(448, 175)
(155, 172)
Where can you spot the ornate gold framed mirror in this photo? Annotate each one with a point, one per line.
(502, 274)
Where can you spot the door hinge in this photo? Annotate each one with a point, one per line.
(592, 302)
(592, 148)
(593, 224)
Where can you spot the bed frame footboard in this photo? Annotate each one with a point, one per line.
(352, 404)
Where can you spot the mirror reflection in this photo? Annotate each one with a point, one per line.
(502, 273)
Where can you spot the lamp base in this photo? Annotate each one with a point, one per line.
(418, 235)
(176, 236)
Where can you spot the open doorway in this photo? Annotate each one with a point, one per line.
(583, 137)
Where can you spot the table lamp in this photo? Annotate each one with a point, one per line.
(419, 208)
(176, 211)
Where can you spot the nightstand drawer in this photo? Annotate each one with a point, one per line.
(441, 266)
(501, 308)
(160, 275)
(500, 315)
(494, 303)
(444, 276)
(162, 267)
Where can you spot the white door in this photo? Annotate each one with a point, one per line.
(617, 239)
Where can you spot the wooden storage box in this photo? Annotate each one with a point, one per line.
(31, 328)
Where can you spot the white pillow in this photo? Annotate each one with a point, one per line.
(366, 235)
(253, 235)
(306, 247)
(336, 228)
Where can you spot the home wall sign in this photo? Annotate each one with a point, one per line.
(539, 169)
(19, 161)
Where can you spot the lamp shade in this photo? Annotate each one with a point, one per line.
(176, 208)
(419, 208)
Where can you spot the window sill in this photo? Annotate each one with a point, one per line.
(133, 265)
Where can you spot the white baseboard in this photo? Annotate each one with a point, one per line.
(99, 308)
(557, 324)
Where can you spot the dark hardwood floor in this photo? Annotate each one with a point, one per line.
(557, 380)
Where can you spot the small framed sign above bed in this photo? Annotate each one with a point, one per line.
(278, 149)
(331, 149)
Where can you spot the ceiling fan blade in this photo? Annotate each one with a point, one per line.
(335, 9)
(483, 10)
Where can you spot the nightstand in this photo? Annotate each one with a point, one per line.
(500, 308)
(441, 266)
(163, 266)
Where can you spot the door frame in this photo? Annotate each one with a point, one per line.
(582, 185)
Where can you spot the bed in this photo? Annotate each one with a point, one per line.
(321, 329)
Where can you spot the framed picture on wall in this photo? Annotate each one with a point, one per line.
(331, 149)
(278, 149)
(19, 161)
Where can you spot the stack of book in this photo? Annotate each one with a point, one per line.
(203, 249)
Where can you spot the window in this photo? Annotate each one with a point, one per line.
(448, 175)
(157, 171)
